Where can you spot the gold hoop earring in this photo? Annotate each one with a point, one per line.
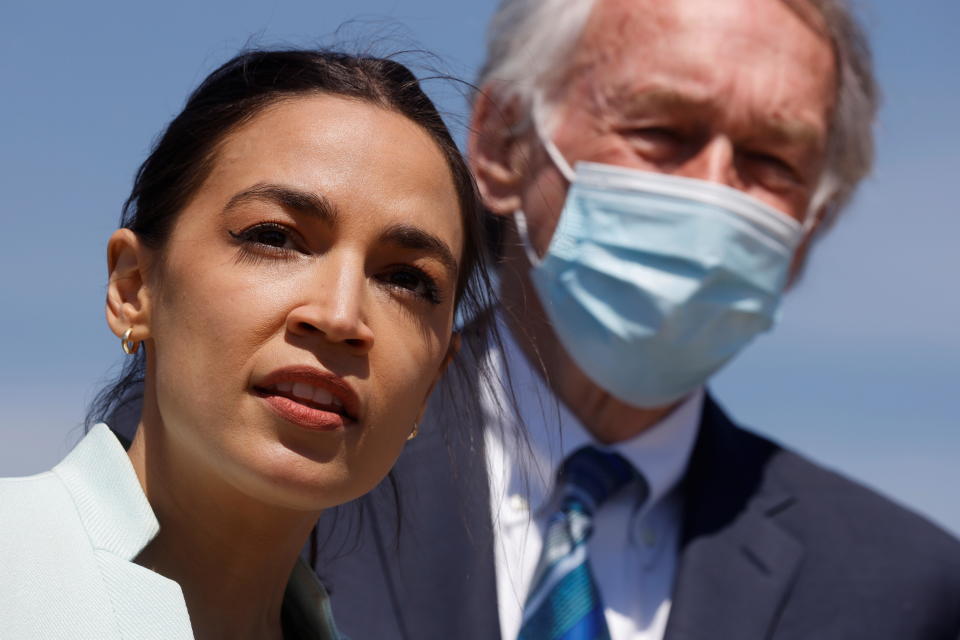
(129, 346)
(413, 434)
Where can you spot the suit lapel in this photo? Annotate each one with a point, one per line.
(737, 565)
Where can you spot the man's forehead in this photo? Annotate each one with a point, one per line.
(691, 56)
(614, 25)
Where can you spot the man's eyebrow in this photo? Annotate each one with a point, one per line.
(658, 97)
(797, 132)
(779, 130)
(312, 204)
(411, 237)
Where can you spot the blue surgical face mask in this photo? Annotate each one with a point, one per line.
(653, 282)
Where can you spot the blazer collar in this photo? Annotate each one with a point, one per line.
(119, 520)
(737, 564)
(110, 501)
(309, 604)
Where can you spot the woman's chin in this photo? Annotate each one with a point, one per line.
(303, 481)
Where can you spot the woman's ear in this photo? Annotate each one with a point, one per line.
(496, 151)
(452, 349)
(128, 296)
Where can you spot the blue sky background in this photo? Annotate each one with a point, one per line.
(861, 374)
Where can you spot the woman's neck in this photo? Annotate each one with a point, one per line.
(231, 555)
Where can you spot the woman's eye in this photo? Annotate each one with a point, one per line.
(415, 281)
(270, 235)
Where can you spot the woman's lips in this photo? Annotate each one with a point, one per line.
(309, 397)
(304, 415)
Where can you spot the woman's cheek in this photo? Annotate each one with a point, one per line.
(200, 328)
(400, 367)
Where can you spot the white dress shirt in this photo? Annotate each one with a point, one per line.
(633, 549)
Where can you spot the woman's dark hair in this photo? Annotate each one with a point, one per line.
(233, 94)
(183, 156)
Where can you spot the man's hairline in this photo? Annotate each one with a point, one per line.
(544, 93)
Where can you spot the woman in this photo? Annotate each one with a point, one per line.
(286, 278)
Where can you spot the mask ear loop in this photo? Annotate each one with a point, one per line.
(519, 218)
(824, 192)
(809, 222)
(547, 143)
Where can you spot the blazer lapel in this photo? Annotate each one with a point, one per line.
(120, 523)
(737, 565)
(147, 605)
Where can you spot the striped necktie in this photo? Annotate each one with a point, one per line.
(564, 602)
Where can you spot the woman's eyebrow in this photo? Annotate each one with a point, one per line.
(411, 237)
(312, 204)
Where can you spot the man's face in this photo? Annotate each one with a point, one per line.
(737, 92)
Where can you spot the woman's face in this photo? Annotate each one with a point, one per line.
(303, 306)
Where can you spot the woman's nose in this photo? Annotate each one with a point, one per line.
(333, 308)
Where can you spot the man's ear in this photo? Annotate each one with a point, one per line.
(497, 154)
(128, 297)
(452, 350)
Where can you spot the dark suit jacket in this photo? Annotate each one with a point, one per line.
(773, 547)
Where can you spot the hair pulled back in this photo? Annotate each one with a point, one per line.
(183, 156)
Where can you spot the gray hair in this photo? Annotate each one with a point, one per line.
(529, 42)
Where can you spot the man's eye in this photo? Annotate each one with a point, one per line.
(656, 143)
(658, 133)
(773, 171)
(769, 159)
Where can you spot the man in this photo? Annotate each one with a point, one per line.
(716, 140)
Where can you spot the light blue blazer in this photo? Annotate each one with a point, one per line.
(68, 538)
